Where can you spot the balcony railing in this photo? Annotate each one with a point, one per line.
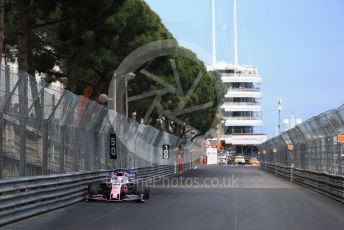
(243, 90)
(240, 75)
(241, 104)
(243, 118)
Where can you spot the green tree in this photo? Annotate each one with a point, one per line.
(87, 40)
(208, 92)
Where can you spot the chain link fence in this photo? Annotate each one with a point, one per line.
(49, 130)
(312, 145)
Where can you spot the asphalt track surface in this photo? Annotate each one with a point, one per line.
(210, 197)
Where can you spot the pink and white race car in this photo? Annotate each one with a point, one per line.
(120, 185)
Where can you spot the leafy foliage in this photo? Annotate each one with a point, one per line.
(87, 40)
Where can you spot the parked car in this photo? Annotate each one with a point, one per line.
(239, 160)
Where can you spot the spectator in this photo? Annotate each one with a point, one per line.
(102, 99)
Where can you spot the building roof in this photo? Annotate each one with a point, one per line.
(223, 65)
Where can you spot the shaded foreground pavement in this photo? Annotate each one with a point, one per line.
(210, 197)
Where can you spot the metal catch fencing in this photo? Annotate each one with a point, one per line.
(310, 154)
(45, 129)
(312, 145)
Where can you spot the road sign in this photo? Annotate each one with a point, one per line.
(165, 151)
(113, 152)
(340, 138)
(290, 147)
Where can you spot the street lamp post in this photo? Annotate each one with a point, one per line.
(127, 77)
(130, 76)
(126, 97)
(115, 92)
(279, 108)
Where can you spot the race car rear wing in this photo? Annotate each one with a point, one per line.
(132, 175)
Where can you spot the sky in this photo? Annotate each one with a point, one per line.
(297, 46)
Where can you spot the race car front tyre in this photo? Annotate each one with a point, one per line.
(93, 188)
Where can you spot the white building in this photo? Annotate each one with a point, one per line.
(241, 112)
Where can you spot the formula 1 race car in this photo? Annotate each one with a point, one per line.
(120, 185)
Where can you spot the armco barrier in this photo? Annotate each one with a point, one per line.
(150, 173)
(325, 183)
(26, 197)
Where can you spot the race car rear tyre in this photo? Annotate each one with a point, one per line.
(93, 188)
